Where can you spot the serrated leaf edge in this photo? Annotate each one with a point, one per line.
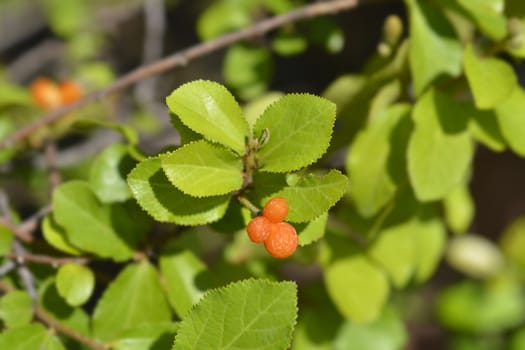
(331, 133)
(147, 211)
(212, 144)
(278, 193)
(222, 289)
(195, 131)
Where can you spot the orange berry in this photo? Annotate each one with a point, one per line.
(46, 93)
(276, 209)
(259, 229)
(283, 240)
(70, 91)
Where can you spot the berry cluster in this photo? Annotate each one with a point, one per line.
(279, 237)
(49, 95)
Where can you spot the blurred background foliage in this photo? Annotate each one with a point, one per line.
(358, 59)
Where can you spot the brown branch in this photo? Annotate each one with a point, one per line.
(43, 316)
(45, 259)
(181, 58)
(24, 231)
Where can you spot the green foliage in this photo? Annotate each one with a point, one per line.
(357, 286)
(114, 313)
(102, 229)
(440, 149)
(16, 309)
(209, 109)
(484, 74)
(261, 314)
(75, 283)
(313, 195)
(434, 48)
(30, 337)
(155, 194)
(201, 169)
(386, 333)
(299, 139)
(248, 70)
(376, 173)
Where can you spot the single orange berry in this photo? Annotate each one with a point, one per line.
(70, 91)
(45, 93)
(259, 229)
(276, 209)
(283, 240)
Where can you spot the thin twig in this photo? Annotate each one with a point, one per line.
(24, 273)
(43, 316)
(25, 230)
(45, 259)
(181, 58)
(71, 333)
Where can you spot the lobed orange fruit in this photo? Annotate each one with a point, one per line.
(276, 209)
(45, 93)
(259, 229)
(283, 240)
(70, 91)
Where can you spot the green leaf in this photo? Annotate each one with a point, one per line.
(13, 95)
(358, 288)
(386, 333)
(56, 307)
(16, 309)
(75, 283)
(156, 195)
(440, 149)
(222, 17)
(55, 235)
(210, 109)
(6, 240)
(434, 48)
(472, 307)
(429, 244)
(300, 128)
(368, 161)
(459, 209)
(30, 337)
(484, 128)
(312, 231)
(152, 336)
(394, 251)
(201, 169)
(313, 195)
(255, 108)
(317, 327)
(385, 97)
(251, 314)
(104, 230)
(511, 119)
(67, 19)
(133, 299)
(7, 127)
(483, 74)
(183, 275)
(287, 43)
(108, 174)
(248, 70)
(512, 241)
(487, 17)
(186, 134)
